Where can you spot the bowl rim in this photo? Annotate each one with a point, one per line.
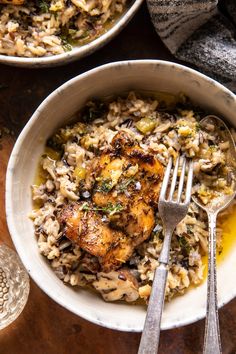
(9, 181)
(76, 52)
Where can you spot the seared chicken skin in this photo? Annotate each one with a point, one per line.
(113, 247)
(127, 170)
(86, 228)
(126, 189)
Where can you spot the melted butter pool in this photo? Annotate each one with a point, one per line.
(228, 225)
(41, 175)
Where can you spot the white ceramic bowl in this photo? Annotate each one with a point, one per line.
(77, 52)
(54, 112)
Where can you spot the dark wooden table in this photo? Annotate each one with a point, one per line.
(44, 327)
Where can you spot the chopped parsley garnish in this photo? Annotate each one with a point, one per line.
(66, 38)
(198, 126)
(123, 186)
(66, 46)
(109, 208)
(105, 186)
(43, 5)
(184, 244)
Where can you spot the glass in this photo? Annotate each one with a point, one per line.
(14, 286)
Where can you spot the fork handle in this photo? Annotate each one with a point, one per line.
(212, 344)
(151, 332)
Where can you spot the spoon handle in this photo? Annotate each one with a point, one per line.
(212, 343)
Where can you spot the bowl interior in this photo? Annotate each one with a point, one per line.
(56, 111)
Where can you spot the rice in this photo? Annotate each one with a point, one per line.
(48, 27)
(164, 129)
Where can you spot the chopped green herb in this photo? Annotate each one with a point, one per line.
(184, 244)
(109, 208)
(123, 186)
(198, 126)
(67, 40)
(43, 5)
(66, 46)
(105, 186)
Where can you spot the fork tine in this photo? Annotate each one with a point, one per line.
(165, 180)
(181, 180)
(189, 182)
(174, 178)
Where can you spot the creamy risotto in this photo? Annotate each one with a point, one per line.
(95, 199)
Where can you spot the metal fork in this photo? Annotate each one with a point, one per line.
(172, 211)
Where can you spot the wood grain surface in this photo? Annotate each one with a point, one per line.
(45, 327)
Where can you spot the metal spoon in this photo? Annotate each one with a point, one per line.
(212, 342)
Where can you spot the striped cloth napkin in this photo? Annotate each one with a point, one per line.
(201, 32)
